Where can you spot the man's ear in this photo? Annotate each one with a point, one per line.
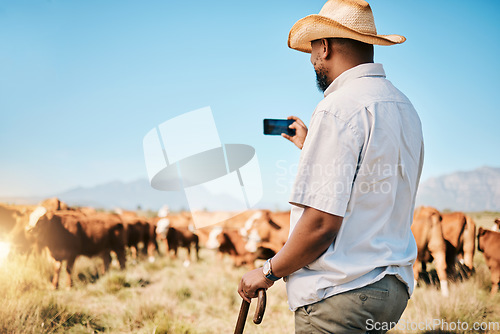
(326, 48)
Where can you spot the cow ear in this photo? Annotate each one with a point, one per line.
(267, 215)
(273, 224)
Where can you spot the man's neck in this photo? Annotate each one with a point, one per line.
(342, 65)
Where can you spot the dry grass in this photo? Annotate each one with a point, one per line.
(166, 297)
(160, 297)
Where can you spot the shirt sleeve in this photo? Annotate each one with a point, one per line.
(327, 165)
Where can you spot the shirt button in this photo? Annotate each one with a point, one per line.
(363, 297)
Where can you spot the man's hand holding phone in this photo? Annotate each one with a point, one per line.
(300, 132)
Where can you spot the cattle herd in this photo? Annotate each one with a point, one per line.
(448, 239)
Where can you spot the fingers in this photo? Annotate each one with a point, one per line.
(246, 292)
(251, 282)
(296, 119)
(243, 294)
(284, 135)
(247, 299)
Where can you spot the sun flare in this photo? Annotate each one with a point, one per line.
(4, 250)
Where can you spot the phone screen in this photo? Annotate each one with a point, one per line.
(278, 126)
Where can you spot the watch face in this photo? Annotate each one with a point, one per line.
(267, 268)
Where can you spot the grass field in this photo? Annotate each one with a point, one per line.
(166, 297)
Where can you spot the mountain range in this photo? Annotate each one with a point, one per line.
(476, 190)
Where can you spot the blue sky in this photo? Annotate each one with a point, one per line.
(82, 82)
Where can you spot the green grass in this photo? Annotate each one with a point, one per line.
(166, 297)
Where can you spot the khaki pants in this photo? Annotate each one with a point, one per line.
(356, 311)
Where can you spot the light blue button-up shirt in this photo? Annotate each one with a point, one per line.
(361, 160)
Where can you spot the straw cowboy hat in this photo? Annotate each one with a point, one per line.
(339, 18)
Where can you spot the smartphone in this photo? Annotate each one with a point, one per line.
(278, 126)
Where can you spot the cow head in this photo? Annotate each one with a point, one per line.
(213, 242)
(162, 227)
(261, 221)
(257, 229)
(253, 241)
(249, 223)
(497, 221)
(266, 224)
(37, 219)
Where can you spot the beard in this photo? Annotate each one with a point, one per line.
(322, 79)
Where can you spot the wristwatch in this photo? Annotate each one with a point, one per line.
(268, 272)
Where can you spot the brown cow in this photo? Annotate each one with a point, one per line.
(267, 233)
(22, 242)
(488, 242)
(251, 236)
(459, 231)
(137, 231)
(227, 221)
(428, 234)
(230, 241)
(69, 234)
(153, 243)
(177, 230)
(182, 237)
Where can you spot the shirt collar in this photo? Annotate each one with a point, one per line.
(363, 70)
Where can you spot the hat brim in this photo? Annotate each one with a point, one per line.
(314, 27)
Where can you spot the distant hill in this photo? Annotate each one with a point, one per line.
(139, 193)
(125, 195)
(476, 190)
(131, 196)
(111, 195)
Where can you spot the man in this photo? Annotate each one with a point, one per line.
(348, 261)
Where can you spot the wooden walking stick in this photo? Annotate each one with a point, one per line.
(259, 312)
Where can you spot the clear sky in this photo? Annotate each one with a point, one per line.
(82, 82)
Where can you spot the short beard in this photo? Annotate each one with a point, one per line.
(322, 79)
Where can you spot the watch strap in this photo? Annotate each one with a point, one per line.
(270, 275)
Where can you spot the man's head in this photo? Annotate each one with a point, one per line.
(332, 56)
(347, 19)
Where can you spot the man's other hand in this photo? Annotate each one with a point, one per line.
(300, 132)
(251, 282)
